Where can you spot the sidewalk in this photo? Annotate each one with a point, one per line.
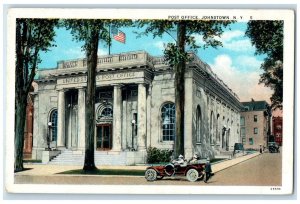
(47, 170)
(231, 162)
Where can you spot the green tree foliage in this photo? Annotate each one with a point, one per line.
(155, 155)
(267, 37)
(91, 31)
(177, 56)
(32, 36)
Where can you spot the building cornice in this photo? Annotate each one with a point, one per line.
(141, 60)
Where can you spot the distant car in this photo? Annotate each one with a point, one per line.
(191, 171)
(273, 147)
(238, 149)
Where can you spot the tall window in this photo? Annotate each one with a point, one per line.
(242, 121)
(255, 130)
(198, 124)
(244, 140)
(251, 142)
(217, 129)
(243, 131)
(53, 120)
(168, 121)
(255, 118)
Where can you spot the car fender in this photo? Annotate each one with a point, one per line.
(159, 173)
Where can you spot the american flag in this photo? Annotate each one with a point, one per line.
(118, 35)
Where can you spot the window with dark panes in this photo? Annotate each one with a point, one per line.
(168, 122)
(53, 120)
(255, 130)
(255, 118)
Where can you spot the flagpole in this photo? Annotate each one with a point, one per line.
(109, 43)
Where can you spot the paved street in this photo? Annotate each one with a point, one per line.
(264, 170)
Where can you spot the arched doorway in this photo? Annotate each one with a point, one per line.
(104, 128)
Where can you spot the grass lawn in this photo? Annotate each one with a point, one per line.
(32, 161)
(106, 172)
(127, 172)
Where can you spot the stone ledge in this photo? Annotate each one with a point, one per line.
(48, 155)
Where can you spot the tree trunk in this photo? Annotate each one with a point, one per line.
(179, 91)
(20, 113)
(91, 54)
(20, 100)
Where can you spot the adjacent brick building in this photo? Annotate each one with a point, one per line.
(28, 131)
(277, 129)
(255, 124)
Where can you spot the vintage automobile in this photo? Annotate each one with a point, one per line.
(273, 147)
(192, 171)
(238, 150)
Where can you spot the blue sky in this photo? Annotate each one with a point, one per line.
(235, 63)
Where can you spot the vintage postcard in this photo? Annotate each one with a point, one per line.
(150, 101)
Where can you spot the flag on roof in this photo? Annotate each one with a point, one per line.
(118, 35)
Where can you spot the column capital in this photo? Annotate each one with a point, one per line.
(117, 85)
(141, 83)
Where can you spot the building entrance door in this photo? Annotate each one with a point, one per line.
(104, 137)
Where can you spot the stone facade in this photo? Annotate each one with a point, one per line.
(135, 107)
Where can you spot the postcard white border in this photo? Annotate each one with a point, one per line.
(288, 111)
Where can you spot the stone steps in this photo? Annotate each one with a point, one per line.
(224, 155)
(68, 157)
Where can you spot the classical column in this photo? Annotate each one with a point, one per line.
(117, 121)
(142, 117)
(149, 95)
(124, 127)
(81, 118)
(61, 119)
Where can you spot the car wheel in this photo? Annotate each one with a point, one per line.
(150, 175)
(192, 175)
